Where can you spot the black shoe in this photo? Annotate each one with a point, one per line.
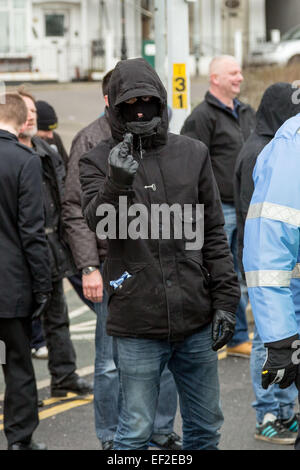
(274, 432)
(78, 385)
(108, 445)
(292, 423)
(27, 446)
(166, 441)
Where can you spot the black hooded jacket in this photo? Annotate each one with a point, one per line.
(172, 292)
(53, 172)
(277, 105)
(214, 124)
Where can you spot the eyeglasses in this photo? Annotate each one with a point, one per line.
(134, 100)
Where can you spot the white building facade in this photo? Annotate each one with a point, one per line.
(65, 40)
(226, 27)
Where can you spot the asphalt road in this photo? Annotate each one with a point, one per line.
(69, 424)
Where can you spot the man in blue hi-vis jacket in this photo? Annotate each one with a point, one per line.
(272, 257)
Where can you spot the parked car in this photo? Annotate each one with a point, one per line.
(286, 52)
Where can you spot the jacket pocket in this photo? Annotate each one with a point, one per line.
(120, 278)
(195, 287)
(196, 257)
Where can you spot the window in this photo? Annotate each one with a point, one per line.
(55, 25)
(4, 32)
(19, 31)
(13, 25)
(19, 4)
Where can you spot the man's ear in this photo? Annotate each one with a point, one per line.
(106, 100)
(214, 79)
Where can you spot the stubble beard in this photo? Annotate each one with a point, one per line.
(29, 133)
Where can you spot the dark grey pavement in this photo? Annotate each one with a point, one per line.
(72, 428)
(65, 428)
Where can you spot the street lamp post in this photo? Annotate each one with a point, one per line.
(123, 43)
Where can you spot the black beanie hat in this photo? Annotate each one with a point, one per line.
(46, 116)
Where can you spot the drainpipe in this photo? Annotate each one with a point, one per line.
(160, 39)
(123, 43)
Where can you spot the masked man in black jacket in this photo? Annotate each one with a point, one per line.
(89, 254)
(61, 353)
(168, 299)
(25, 284)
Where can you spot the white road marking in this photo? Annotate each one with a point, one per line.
(83, 337)
(88, 370)
(84, 326)
(79, 311)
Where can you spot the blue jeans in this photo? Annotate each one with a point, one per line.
(106, 380)
(279, 402)
(241, 328)
(195, 368)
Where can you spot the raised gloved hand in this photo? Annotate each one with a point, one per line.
(42, 301)
(279, 367)
(222, 328)
(122, 166)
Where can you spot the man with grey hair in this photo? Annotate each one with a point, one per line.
(224, 123)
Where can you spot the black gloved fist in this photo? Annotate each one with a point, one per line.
(121, 165)
(42, 301)
(222, 328)
(279, 367)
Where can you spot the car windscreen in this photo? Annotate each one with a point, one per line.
(291, 34)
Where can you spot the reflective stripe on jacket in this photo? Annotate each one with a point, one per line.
(271, 244)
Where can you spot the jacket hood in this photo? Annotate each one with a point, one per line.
(133, 78)
(275, 108)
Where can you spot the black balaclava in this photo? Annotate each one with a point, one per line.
(149, 109)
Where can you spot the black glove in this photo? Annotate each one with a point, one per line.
(122, 166)
(222, 329)
(42, 301)
(279, 367)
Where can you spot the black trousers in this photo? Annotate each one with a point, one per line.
(21, 399)
(61, 353)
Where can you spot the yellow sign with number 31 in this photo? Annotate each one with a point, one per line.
(179, 86)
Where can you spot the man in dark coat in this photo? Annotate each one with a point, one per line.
(25, 284)
(277, 106)
(224, 123)
(89, 254)
(61, 352)
(165, 297)
(47, 121)
(274, 407)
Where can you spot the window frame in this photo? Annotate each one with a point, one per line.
(11, 10)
